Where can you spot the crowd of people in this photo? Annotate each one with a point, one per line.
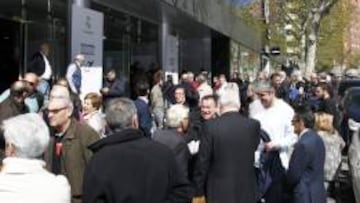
(275, 139)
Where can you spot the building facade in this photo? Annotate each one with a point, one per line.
(175, 35)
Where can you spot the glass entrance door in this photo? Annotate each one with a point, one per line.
(10, 54)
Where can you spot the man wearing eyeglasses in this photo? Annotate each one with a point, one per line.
(305, 177)
(68, 153)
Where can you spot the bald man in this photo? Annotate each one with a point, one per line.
(70, 154)
(14, 104)
(34, 100)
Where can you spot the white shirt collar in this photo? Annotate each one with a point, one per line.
(20, 165)
(144, 98)
(303, 132)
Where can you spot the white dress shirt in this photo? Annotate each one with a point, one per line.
(276, 121)
(69, 73)
(48, 72)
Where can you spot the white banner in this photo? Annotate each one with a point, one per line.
(171, 57)
(87, 28)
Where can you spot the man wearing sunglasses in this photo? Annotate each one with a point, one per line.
(34, 99)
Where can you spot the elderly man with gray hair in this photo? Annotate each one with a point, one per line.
(225, 171)
(73, 73)
(129, 167)
(23, 177)
(177, 123)
(68, 152)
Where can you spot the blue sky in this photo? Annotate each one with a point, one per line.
(239, 2)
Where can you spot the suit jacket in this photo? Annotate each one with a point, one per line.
(305, 176)
(225, 168)
(37, 64)
(127, 167)
(176, 142)
(75, 155)
(144, 116)
(9, 108)
(116, 88)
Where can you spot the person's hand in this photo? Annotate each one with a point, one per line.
(200, 199)
(270, 146)
(105, 90)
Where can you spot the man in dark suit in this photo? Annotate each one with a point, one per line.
(225, 169)
(143, 108)
(177, 123)
(327, 103)
(114, 86)
(305, 177)
(127, 167)
(40, 65)
(13, 106)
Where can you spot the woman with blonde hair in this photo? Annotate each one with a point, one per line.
(333, 145)
(91, 113)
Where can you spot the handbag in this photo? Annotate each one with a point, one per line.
(340, 188)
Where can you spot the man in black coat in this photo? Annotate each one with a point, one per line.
(225, 169)
(127, 167)
(13, 106)
(327, 103)
(114, 86)
(143, 109)
(177, 123)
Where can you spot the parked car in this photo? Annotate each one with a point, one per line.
(346, 84)
(350, 106)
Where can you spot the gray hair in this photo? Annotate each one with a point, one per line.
(297, 74)
(61, 95)
(262, 86)
(230, 96)
(119, 113)
(28, 133)
(176, 114)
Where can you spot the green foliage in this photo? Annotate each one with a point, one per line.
(333, 30)
(331, 34)
(354, 60)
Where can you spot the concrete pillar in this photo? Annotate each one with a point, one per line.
(164, 32)
(82, 3)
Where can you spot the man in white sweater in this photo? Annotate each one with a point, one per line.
(275, 117)
(23, 177)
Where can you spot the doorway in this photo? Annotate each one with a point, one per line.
(10, 54)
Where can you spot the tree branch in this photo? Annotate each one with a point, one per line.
(325, 6)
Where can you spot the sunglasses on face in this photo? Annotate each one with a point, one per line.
(295, 120)
(55, 111)
(29, 82)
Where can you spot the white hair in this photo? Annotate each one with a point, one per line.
(230, 96)
(282, 75)
(176, 114)
(61, 96)
(297, 74)
(28, 133)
